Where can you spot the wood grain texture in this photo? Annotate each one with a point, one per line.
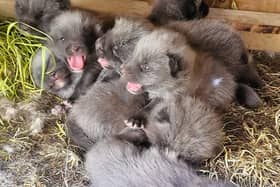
(7, 8)
(259, 41)
(119, 7)
(258, 18)
(272, 6)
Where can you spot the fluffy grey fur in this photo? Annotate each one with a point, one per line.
(225, 44)
(220, 41)
(73, 37)
(59, 79)
(166, 67)
(39, 13)
(164, 11)
(102, 111)
(117, 44)
(186, 125)
(74, 34)
(118, 162)
(164, 63)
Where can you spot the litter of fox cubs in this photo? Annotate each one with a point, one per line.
(68, 77)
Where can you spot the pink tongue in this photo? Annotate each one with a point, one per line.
(103, 62)
(134, 86)
(76, 62)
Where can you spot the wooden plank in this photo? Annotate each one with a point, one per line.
(258, 41)
(142, 8)
(258, 18)
(132, 7)
(272, 6)
(120, 7)
(7, 8)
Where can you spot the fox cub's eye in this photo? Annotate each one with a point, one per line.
(145, 67)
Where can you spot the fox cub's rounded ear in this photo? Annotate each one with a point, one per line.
(174, 64)
(195, 9)
(102, 28)
(107, 24)
(188, 9)
(203, 9)
(64, 4)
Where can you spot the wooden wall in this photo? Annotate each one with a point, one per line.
(135, 7)
(142, 7)
(272, 6)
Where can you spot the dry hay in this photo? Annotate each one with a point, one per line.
(251, 154)
(42, 158)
